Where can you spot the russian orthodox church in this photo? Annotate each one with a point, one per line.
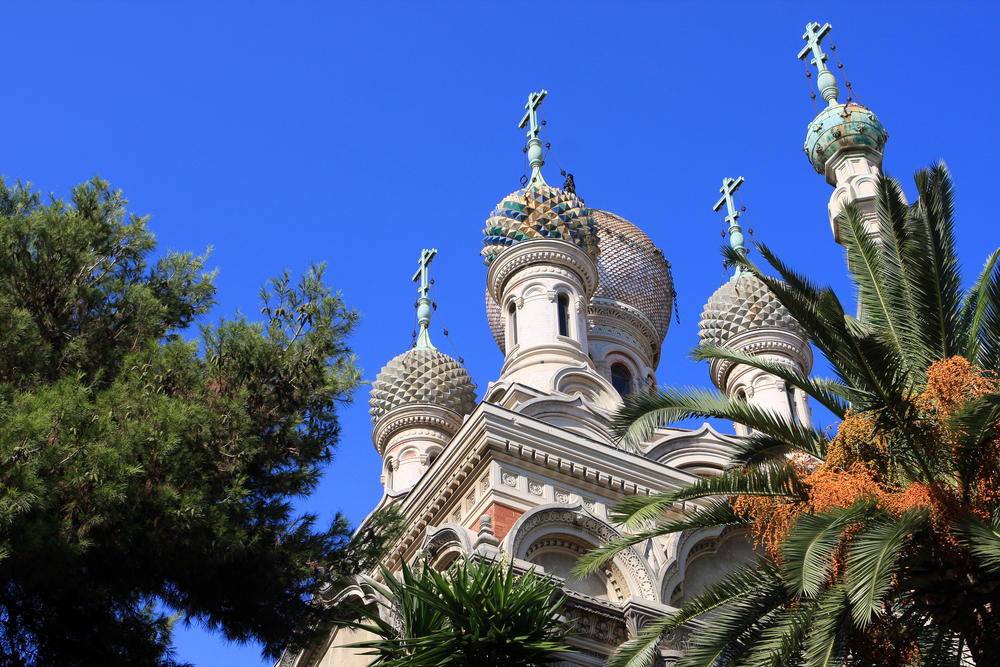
(579, 300)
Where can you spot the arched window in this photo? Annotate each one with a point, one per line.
(562, 309)
(512, 313)
(621, 379)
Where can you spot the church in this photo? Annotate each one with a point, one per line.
(579, 302)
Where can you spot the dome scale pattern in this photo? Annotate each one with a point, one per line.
(740, 305)
(422, 376)
(538, 212)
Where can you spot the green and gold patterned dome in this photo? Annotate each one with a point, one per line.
(538, 211)
(842, 126)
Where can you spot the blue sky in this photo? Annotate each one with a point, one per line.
(358, 133)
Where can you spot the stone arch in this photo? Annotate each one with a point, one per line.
(702, 452)
(698, 557)
(570, 528)
(444, 543)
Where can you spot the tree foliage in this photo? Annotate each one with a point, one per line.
(883, 541)
(475, 613)
(145, 465)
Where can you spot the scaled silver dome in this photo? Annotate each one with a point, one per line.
(740, 305)
(422, 376)
(630, 269)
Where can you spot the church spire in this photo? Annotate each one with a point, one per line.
(530, 121)
(423, 299)
(826, 82)
(728, 189)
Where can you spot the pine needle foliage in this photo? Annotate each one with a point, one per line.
(145, 465)
(881, 545)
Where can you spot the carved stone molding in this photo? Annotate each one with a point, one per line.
(628, 320)
(435, 419)
(762, 342)
(541, 252)
(545, 519)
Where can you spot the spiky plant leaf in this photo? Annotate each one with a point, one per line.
(642, 413)
(808, 551)
(713, 514)
(825, 644)
(833, 395)
(981, 315)
(873, 558)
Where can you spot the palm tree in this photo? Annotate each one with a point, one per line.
(476, 613)
(881, 545)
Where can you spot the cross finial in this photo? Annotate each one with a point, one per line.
(728, 189)
(827, 84)
(423, 298)
(530, 121)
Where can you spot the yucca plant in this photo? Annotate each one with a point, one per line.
(476, 613)
(882, 544)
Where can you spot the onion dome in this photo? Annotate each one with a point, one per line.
(843, 126)
(838, 126)
(538, 211)
(422, 376)
(743, 304)
(630, 269)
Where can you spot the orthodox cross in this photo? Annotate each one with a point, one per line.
(814, 35)
(530, 120)
(728, 189)
(826, 82)
(424, 300)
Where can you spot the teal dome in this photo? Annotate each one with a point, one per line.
(538, 211)
(842, 126)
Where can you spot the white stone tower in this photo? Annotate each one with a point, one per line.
(845, 142)
(418, 400)
(744, 315)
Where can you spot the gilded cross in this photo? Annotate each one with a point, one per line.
(728, 189)
(424, 300)
(814, 35)
(530, 118)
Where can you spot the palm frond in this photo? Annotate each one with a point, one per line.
(714, 514)
(825, 646)
(833, 395)
(975, 425)
(873, 558)
(933, 263)
(808, 551)
(757, 584)
(983, 540)
(981, 317)
(780, 643)
(641, 413)
(883, 298)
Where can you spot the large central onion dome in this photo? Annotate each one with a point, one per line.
(742, 304)
(538, 211)
(422, 376)
(631, 270)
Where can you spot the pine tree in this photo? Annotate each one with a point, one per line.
(146, 466)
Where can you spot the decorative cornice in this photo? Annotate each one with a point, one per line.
(542, 251)
(427, 416)
(760, 342)
(623, 316)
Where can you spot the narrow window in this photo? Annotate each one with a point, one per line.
(563, 313)
(621, 379)
(512, 311)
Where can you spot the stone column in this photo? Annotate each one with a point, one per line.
(854, 175)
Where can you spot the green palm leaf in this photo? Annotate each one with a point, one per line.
(714, 514)
(808, 552)
(833, 395)
(760, 585)
(642, 413)
(825, 644)
(981, 317)
(873, 558)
